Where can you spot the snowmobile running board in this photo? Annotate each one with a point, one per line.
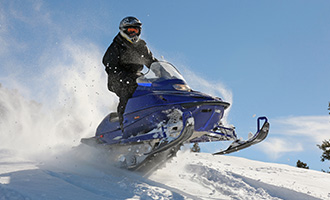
(259, 136)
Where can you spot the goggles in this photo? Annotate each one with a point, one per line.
(133, 30)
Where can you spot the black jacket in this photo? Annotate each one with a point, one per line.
(123, 60)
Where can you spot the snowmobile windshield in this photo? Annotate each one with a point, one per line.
(160, 71)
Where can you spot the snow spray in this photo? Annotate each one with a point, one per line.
(69, 101)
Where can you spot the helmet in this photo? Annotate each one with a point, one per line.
(130, 28)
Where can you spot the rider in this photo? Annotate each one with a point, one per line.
(124, 60)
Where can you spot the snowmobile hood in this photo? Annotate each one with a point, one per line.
(163, 85)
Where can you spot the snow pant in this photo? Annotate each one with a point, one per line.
(124, 91)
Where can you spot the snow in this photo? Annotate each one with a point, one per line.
(85, 173)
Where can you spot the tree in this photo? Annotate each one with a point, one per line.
(325, 147)
(302, 165)
(195, 148)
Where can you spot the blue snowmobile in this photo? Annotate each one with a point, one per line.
(163, 114)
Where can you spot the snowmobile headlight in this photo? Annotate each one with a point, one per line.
(182, 87)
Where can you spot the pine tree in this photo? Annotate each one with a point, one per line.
(325, 147)
(195, 148)
(302, 165)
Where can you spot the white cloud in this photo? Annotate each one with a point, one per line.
(295, 134)
(276, 147)
(315, 128)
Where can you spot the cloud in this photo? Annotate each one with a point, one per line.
(276, 147)
(315, 128)
(295, 134)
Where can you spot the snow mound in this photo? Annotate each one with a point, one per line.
(86, 173)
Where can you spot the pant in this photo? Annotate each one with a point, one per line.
(124, 91)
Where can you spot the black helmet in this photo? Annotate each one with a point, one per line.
(130, 28)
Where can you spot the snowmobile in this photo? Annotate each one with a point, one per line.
(163, 114)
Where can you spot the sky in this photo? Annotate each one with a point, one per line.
(267, 58)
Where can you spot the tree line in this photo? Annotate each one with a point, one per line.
(325, 147)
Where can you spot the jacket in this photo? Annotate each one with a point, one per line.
(124, 60)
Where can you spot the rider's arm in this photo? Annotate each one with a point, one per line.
(111, 59)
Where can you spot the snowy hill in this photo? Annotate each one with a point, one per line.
(37, 160)
(84, 173)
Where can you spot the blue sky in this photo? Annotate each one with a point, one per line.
(266, 57)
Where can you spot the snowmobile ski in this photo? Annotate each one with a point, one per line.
(259, 136)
